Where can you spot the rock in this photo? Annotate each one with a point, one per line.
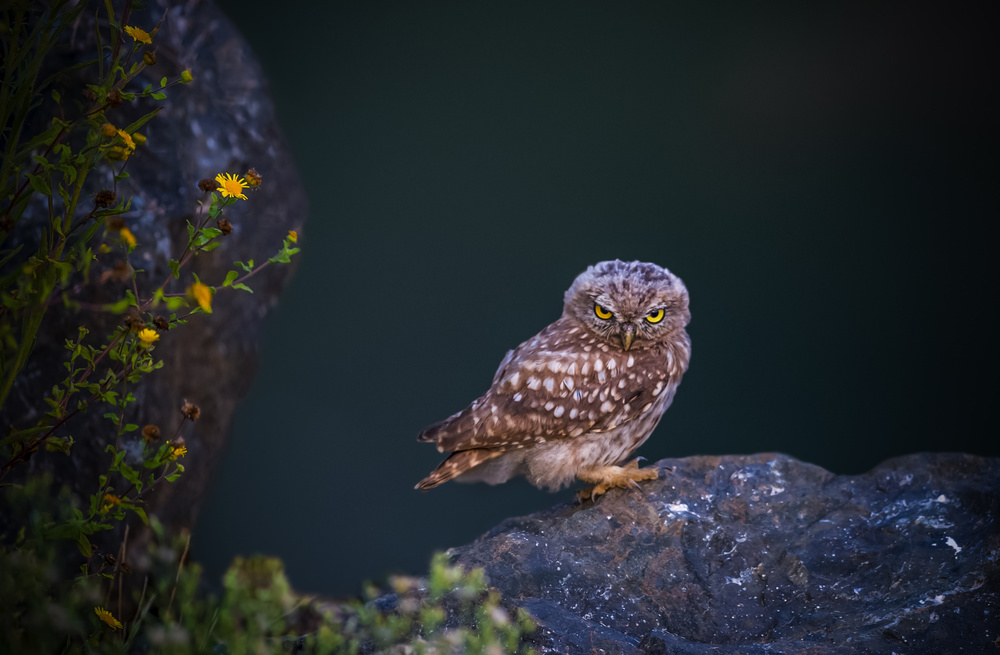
(763, 554)
(224, 121)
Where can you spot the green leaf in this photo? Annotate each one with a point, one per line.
(56, 96)
(163, 82)
(40, 184)
(135, 125)
(130, 474)
(142, 514)
(64, 531)
(230, 277)
(160, 96)
(43, 138)
(119, 307)
(176, 302)
(84, 545)
(58, 444)
(175, 268)
(242, 287)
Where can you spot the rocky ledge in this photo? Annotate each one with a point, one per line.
(763, 554)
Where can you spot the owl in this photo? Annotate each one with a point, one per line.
(578, 398)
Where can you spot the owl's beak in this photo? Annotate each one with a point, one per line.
(628, 333)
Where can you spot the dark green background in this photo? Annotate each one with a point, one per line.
(822, 178)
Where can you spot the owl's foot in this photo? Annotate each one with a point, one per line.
(610, 477)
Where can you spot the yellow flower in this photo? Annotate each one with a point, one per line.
(231, 186)
(142, 36)
(202, 294)
(129, 143)
(108, 129)
(127, 236)
(293, 236)
(148, 337)
(108, 618)
(110, 500)
(139, 138)
(178, 451)
(118, 153)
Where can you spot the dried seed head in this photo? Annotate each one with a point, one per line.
(224, 226)
(134, 323)
(149, 57)
(104, 198)
(114, 223)
(253, 178)
(114, 99)
(150, 433)
(120, 272)
(190, 411)
(208, 185)
(161, 323)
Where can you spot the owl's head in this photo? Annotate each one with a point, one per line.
(628, 304)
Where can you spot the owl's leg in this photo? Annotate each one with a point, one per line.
(610, 477)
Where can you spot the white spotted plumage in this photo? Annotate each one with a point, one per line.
(584, 392)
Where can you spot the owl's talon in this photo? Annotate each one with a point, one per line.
(609, 477)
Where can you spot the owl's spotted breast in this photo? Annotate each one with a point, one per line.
(571, 389)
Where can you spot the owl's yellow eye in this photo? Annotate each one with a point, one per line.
(655, 317)
(602, 313)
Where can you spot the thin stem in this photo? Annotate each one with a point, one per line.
(180, 567)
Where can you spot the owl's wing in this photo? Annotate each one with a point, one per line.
(550, 396)
(503, 366)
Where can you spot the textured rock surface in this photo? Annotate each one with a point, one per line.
(764, 554)
(223, 121)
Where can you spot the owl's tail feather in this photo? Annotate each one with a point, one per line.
(456, 464)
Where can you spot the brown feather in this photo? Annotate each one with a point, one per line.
(457, 464)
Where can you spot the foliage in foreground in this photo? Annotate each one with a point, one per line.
(450, 611)
(59, 593)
